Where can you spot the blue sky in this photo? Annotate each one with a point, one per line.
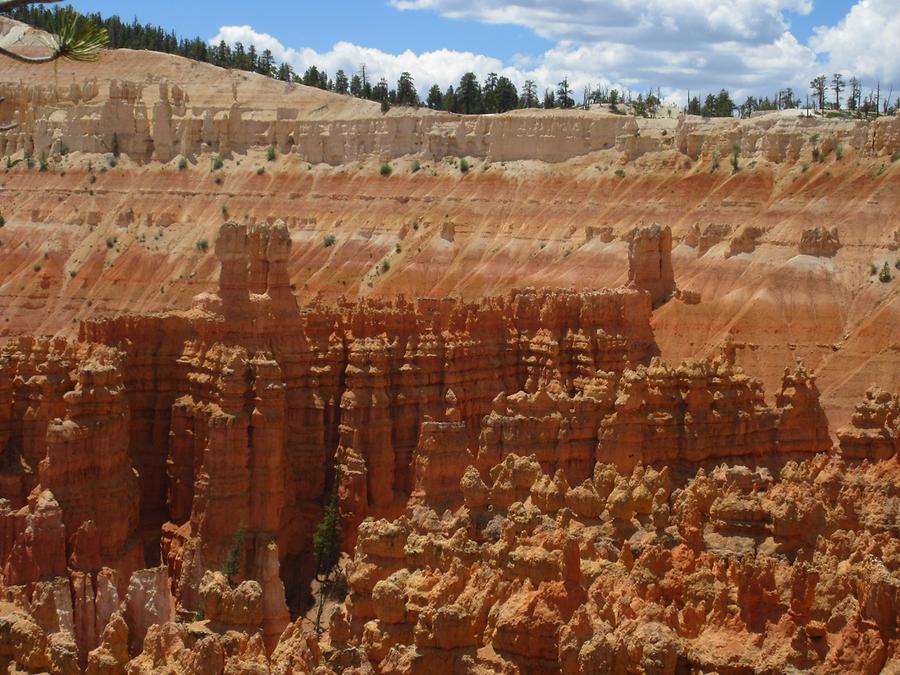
(305, 23)
(749, 46)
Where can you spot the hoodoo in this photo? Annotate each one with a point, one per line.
(301, 374)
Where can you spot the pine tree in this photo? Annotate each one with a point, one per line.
(285, 73)
(380, 91)
(549, 99)
(265, 65)
(529, 95)
(341, 86)
(614, 100)
(507, 95)
(327, 544)
(435, 100)
(231, 565)
(406, 90)
(563, 91)
(489, 94)
(448, 103)
(724, 105)
(311, 77)
(468, 95)
(356, 87)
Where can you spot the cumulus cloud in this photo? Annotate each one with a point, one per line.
(866, 42)
(442, 66)
(701, 45)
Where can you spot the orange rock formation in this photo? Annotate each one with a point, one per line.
(544, 421)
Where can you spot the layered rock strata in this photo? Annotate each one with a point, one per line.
(159, 120)
(205, 441)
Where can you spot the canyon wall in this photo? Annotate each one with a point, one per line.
(550, 200)
(534, 388)
(205, 441)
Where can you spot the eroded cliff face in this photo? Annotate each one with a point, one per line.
(536, 388)
(205, 440)
(775, 255)
(157, 121)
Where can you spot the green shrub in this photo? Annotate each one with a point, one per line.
(63, 149)
(397, 248)
(328, 241)
(895, 156)
(182, 163)
(340, 589)
(270, 153)
(838, 151)
(416, 165)
(385, 106)
(217, 162)
(72, 273)
(37, 268)
(873, 269)
(715, 164)
(232, 560)
(885, 274)
(327, 538)
(805, 167)
(260, 171)
(115, 145)
(111, 241)
(735, 155)
(620, 173)
(385, 266)
(2, 221)
(42, 162)
(896, 264)
(386, 169)
(202, 245)
(464, 165)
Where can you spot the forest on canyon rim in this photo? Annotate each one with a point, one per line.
(295, 382)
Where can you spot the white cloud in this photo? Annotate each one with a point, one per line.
(627, 21)
(866, 42)
(701, 45)
(442, 66)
